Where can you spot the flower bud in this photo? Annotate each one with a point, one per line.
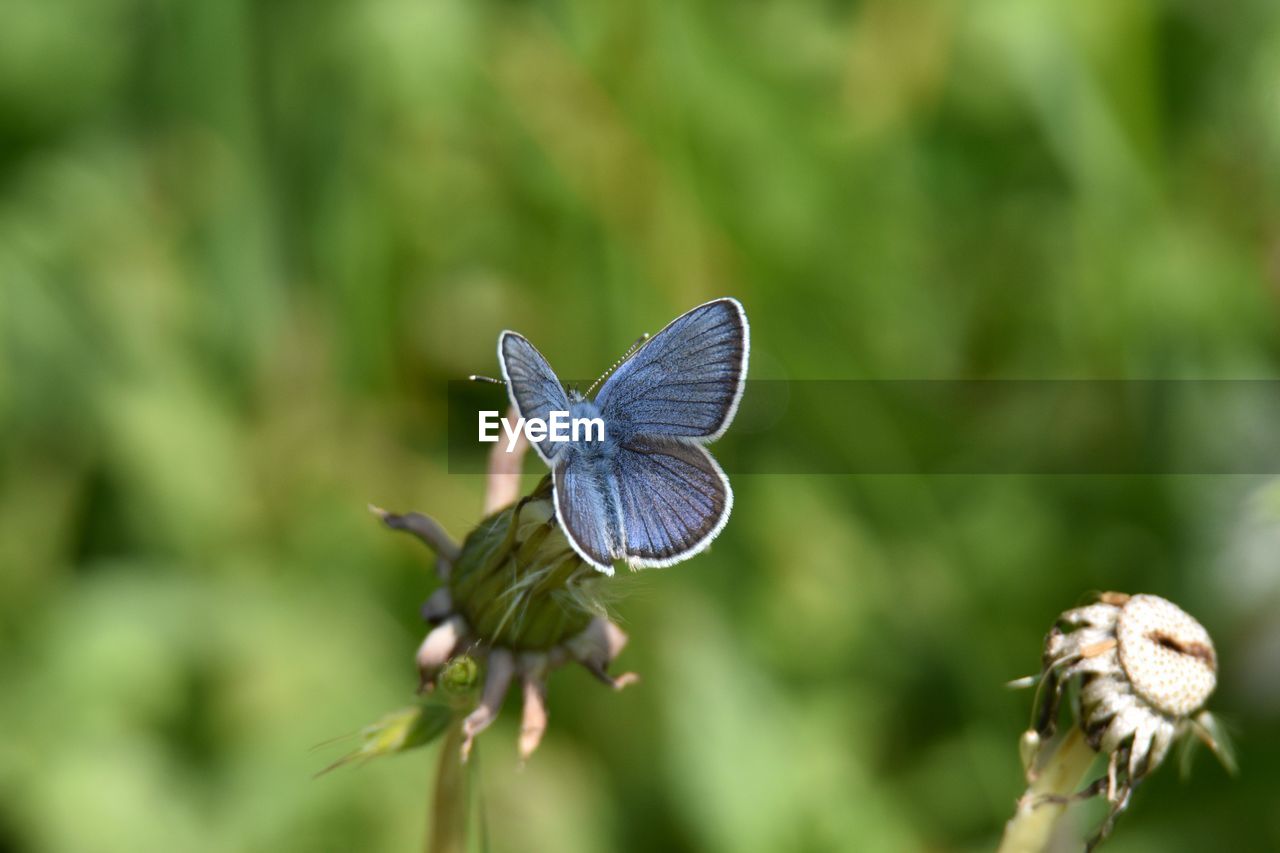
(519, 598)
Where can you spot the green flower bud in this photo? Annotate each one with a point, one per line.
(518, 582)
(517, 601)
(460, 675)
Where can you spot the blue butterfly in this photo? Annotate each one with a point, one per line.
(648, 493)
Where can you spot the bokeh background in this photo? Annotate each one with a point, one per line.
(243, 247)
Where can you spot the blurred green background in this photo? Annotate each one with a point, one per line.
(244, 245)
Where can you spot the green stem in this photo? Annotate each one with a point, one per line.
(451, 799)
(1059, 774)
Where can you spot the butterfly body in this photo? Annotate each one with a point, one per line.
(644, 491)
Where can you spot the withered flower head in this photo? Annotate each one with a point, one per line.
(1145, 668)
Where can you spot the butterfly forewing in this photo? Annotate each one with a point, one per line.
(686, 381)
(531, 384)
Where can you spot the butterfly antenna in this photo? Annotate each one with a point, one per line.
(476, 378)
(626, 355)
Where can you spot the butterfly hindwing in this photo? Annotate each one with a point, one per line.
(586, 504)
(673, 499)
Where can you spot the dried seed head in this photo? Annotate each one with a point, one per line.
(1144, 667)
(1167, 655)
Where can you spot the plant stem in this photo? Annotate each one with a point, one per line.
(451, 799)
(1057, 774)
